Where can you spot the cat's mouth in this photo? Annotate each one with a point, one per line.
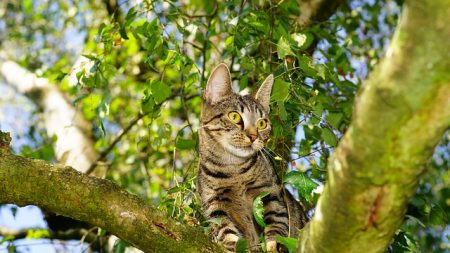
(250, 146)
(240, 150)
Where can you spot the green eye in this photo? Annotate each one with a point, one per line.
(261, 124)
(235, 117)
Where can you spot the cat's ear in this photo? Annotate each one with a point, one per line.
(263, 93)
(218, 86)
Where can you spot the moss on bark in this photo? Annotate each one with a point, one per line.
(400, 115)
(99, 202)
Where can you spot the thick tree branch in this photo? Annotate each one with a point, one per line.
(400, 115)
(99, 202)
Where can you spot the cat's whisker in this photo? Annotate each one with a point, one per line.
(264, 156)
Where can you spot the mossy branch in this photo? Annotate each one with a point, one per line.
(400, 115)
(99, 202)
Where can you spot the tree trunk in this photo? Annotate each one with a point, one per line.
(74, 146)
(399, 116)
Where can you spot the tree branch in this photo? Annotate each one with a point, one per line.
(315, 11)
(400, 115)
(99, 202)
(81, 234)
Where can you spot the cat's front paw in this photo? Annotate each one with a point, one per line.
(271, 246)
(229, 242)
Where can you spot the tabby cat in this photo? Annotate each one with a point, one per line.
(234, 170)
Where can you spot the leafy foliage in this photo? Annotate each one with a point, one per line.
(258, 209)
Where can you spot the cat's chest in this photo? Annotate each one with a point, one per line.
(244, 180)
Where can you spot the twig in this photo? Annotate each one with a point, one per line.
(105, 152)
(140, 115)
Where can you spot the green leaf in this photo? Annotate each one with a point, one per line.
(280, 90)
(28, 6)
(185, 143)
(123, 33)
(7, 238)
(191, 79)
(90, 57)
(101, 126)
(299, 38)
(438, 216)
(302, 183)
(160, 91)
(11, 248)
(60, 76)
(306, 66)
(258, 209)
(120, 246)
(131, 14)
(284, 48)
(241, 246)
(37, 233)
(147, 104)
(289, 242)
(282, 110)
(334, 119)
(80, 74)
(229, 41)
(329, 137)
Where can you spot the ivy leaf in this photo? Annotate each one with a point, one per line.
(329, 137)
(280, 90)
(101, 126)
(60, 76)
(123, 33)
(147, 104)
(160, 91)
(438, 216)
(120, 246)
(334, 119)
(185, 143)
(90, 57)
(37, 233)
(241, 246)
(289, 242)
(302, 183)
(284, 48)
(131, 14)
(258, 209)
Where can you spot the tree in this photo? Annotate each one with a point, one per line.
(141, 71)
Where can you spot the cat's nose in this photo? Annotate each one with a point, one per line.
(252, 134)
(252, 137)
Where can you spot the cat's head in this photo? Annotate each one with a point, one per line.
(239, 124)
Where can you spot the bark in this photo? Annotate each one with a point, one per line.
(99, 202)
(399, 116)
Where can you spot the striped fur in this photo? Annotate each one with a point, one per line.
(234, 170)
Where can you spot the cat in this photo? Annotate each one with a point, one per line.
(233, 169)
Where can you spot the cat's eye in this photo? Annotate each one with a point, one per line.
(261, 124)
(235, 117)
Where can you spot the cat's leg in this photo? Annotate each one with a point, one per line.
(225, 231)
(276, 218)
